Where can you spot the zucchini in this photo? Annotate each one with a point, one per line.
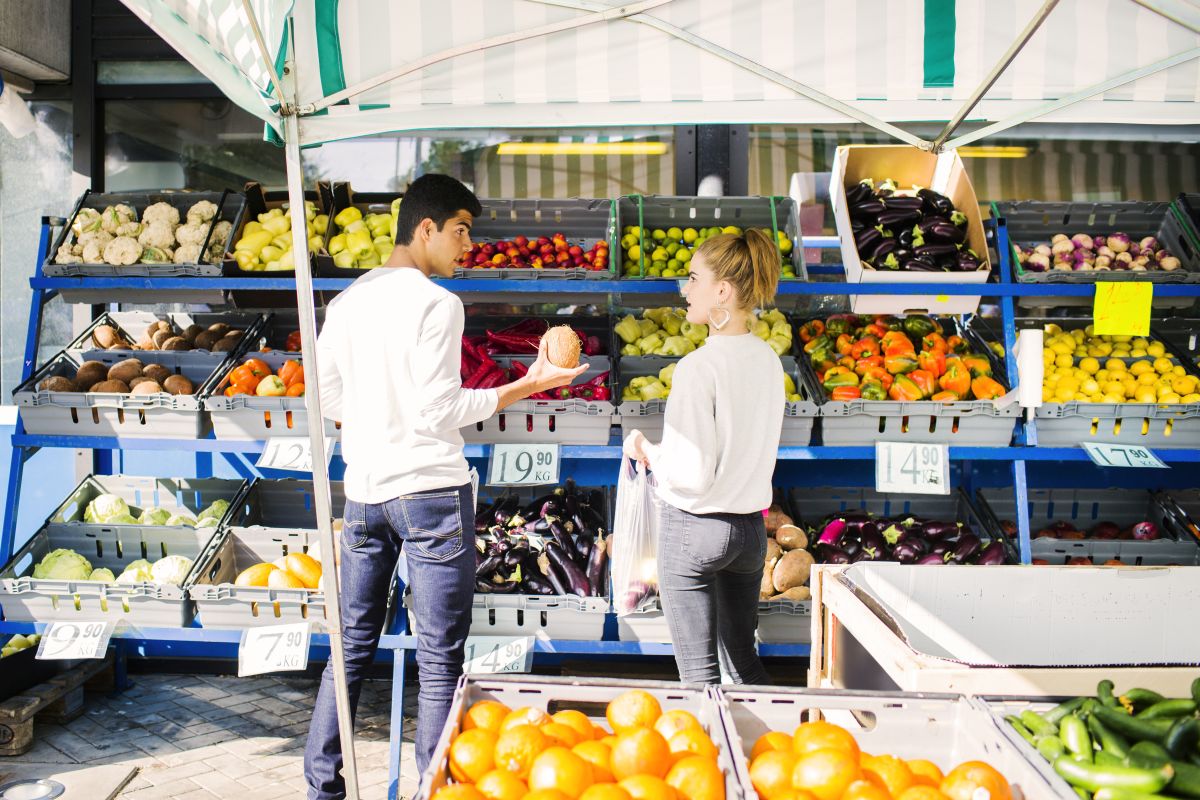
(1137, 699)
(1020, 728)
(1183, 738)
(1055, 715)
(1132, 728)
(1037, 724)
(1148, 755)
(1170, 709)
(1094, 777)
(1075, 736)
(1109, 741)
(1104, 693)
(1050, 747)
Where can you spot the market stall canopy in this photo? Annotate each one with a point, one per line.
(372, 66)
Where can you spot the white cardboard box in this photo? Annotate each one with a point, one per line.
(1019, 630)
(908, 166)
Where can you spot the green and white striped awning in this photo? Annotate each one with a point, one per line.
(371, 66)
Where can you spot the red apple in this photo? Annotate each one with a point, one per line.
(563, 258)
(546, 250)
(487, 249)
(520, 241)
(542, 240)
(481, 259)
(575, 250)
(499, 259)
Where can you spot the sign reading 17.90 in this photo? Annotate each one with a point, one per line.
(523, 465)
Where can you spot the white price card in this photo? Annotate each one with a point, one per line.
(498, 654)
(293, 453)
(1122, 455)
(523, 465)
(912, 467)
(274, 648)
(72, 640)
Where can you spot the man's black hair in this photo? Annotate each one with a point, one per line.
(436, 197)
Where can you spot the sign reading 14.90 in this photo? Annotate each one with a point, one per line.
(523, 465)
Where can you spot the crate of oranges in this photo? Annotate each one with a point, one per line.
(581, 739)
(1115, 390)
(799, 744)
(260, 395)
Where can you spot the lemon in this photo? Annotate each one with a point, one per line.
(1184, 384)
(1090, 365)
(1047, 395)
(1141, 367)
(1114, 398)
(1178, 370)
(1137, 352)
(674, 234)
(1191, 397)
(1131, 385)
(1162, 365)
(658, 234)
(1078, 334)
(1145, 394)
(1052, 329)
(672, 248)
(1156, 349)
(635, 253)
(689, 235)
(1114, 387)
(1102, 376)
(1170, 397)
(1147, 379)
(1090, 330)
(1062, 348)
(683, 255)
(1114, 365)
(1063, 393)
(1123, 338)
(1089, 387)
(734, 229)
(1064, 360)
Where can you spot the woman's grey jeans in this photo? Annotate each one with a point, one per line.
(710, 569)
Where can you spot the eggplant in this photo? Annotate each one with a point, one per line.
(932, 558)
(561, 537)
(583, 550)
(486, 515)
(867, 241)
(920, 264)
(576, 580)
(948, 262)
(550, 508)
(966, 262)
(541, 525)
(900, 201)
(516, 555)
(858, 193)
(935, 203)
(553, 572)
(483, 586)
(991, 555)
(504, 587)
(940, 549)
(857, 225)
(941, 230)
(852, 547)
(907, 552)
(867, 210)
(886, 246)
(898, 217)
(934, 251)
(834, 555)
(596, 564)
(854, 519)
(489, 566)
(905, 238)
(934, 529)
(965, 548)
(873, 541)
(532, 584)
(591, 518)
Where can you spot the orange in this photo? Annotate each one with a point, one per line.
(865, 790)
(517, 748)
(304, 567)
(486, 714)
(609, 740)
(641, 751)
(279, 579)
(773, 740)
(822, 735)
(546, 794)
(920, 791)
(578, 722)
(605, 791)
(501, 785)
(559, 768)
(697, 778)
(692, 742)
(560, 734)
(771, 774)
(525, 716)
(472, 755)
(893, 773)
(633, 709)
(826, 773)
(599, 755)
(458, 791)
(672, 722)
(925, 772)
(598, 732)
(964, 782)
(648, 787)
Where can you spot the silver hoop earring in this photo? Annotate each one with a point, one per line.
(719, 310)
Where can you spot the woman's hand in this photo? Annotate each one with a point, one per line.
(634, 447)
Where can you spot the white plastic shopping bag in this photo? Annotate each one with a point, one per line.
(635, 540)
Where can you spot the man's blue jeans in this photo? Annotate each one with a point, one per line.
(436, 529)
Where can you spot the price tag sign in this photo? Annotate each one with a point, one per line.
(72, 640)
(499, 654)
(523, 465)
(911, 467)
(1122, 455)
(274, 648)
(293, 453)
(1122, 309)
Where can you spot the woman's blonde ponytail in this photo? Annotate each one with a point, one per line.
(749, 261)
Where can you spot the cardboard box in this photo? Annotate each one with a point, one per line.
(907, 166)
(1030, 631)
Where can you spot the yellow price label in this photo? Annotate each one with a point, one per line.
(943, 298)
(1122, 309)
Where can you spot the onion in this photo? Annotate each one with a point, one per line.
(1144, 531)
(1105, 530)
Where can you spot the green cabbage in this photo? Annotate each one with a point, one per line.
(103, 507)
(63, 565)
(120, 519)
(181, 519)
(137, 572)
(216, 509)
(171, 569)
(102, 574)
(154, 516)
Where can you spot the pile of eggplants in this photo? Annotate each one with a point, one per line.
(908, 230)
(852, 536)
(555, 544)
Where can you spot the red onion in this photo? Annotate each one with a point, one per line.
(1145, 531)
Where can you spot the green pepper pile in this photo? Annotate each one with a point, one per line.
(1137, 746)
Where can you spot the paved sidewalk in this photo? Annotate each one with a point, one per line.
(198, 737)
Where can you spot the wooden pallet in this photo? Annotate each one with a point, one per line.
(58, 700)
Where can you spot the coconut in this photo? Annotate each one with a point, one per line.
(562, 346)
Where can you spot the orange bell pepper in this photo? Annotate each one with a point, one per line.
(904, 388)
(979, 366)
(847, 362)
(811, 330)
(844, 393)
(896, 339)
(815, 343)
(956, 378)
(863, 364)
(873, 390)
(932, 361)
(984, 388)
(925, 380)
(295, 390)
(257, 366)
(900, 364)
(958, 345)
(935, 342)
(290, 372)
(876, 330)
(945, 397)
(845, 342)
(879, 375)
(866, 346)
(234, 389)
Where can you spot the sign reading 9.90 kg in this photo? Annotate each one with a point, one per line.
(523, 465)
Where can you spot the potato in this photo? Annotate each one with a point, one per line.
(225, 345)
(775, 519)
(767, 587)
(178, 384)
(111, 387)
(791, 538)
(175, 343)
(205, 340)
(125, 371)
(159, 337)
(219, 328)
(89, 373)
(106, 337)
(191, 332)
(796, 593)
(792, 570)
(57, 383)
(158, 325)
(145, 343)
(774, 551)
(146, 386)
(157, 372)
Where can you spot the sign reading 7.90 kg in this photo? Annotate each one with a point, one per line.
(523, 465)
(273, 648)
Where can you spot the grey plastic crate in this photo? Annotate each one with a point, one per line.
(564, 617)
(177, 495)
(946, 729)
(588, 695)
(256, 418)
(271, 519)
(1033, 222)
(230, 208)
(583, 221)
(1145, 424)
(126, 415)
(1084, 508)
(661, 211)
(785, 621)
(133, 324)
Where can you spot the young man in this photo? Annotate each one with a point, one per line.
(389, 356)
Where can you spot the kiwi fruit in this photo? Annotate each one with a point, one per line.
(192, 331)
(225, 345)
(205, 340)
(178, 384)
(159, 337)
(219, 328)
(111, 386)
(175, 343)
(106, 337)
(125, 371)
(58, 383)
(234, 334)
(158, 325)
(157, 372)
(146, 386)
(89, 373)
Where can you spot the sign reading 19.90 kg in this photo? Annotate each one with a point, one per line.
(523, 465)
(912, 467)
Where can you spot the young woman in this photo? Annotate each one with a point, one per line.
(714, 464)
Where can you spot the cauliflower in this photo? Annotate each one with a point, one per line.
(116, 216)
(98, 236)
(157, 234)
(88, 219)
(187, 254)
(192, 233)
(163, 213)
(93, 252)
(130, 229)
(201, 212)
(122, 251)
(66, 255)
(157, 255)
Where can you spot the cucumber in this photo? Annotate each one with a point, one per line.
(1147, 755)
(1132, 728)
(1055, 715)
(1109, 741)
(1020, 728)
(1037, 724)
(1183, 738)
(1094, 777)
(1050, 747)
(1075, 736)
(1171, 709)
